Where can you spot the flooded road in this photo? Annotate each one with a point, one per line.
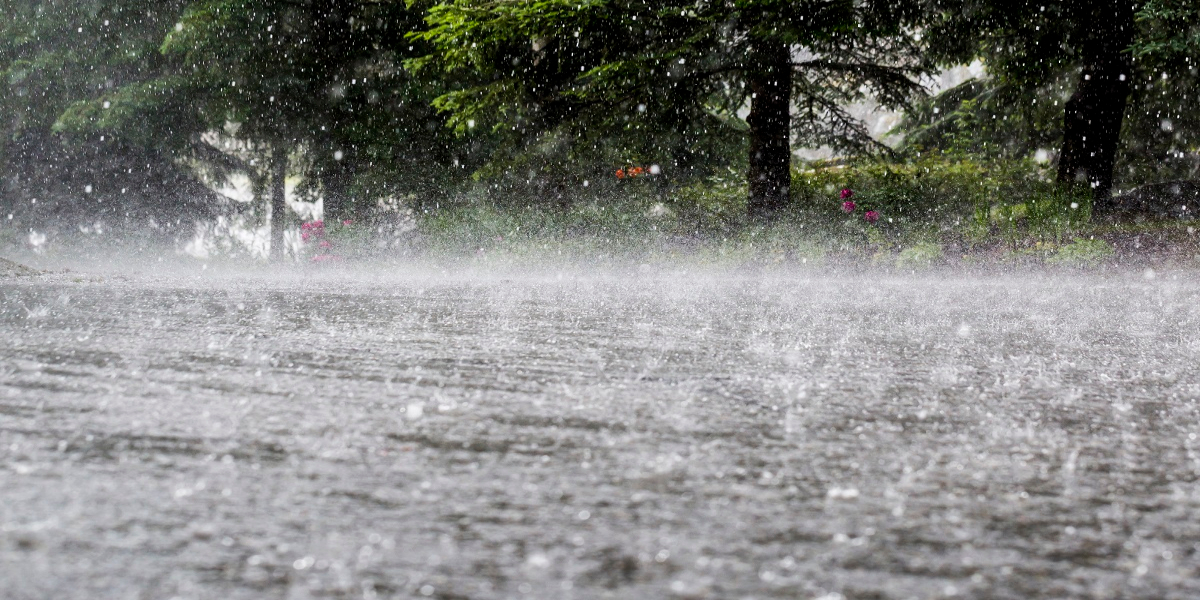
(647, 436)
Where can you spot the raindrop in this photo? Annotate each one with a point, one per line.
(415, 410)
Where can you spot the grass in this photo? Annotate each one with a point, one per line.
(934, 212)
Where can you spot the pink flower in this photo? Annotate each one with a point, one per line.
(346, 222)
(847, 193)
(325, 244)
(871, 216)
(324, 257)
(848, 206)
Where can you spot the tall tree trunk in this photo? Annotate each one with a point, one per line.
(331, 32)
(1094, 113)
(335, 182)
(770, 129)
(279, 164)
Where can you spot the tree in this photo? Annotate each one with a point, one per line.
(1162, 132)
(311, 89)
(1034, 51)
(627, 69)
(56, 55)
(1094, 114)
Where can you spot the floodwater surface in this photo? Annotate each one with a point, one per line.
(651, 436)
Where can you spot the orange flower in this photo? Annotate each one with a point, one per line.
(620, 173)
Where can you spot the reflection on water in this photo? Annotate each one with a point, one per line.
(779, 436)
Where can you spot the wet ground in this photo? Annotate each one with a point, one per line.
(626, 436)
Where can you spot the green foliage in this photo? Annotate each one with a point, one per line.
(1082, 253)
(986, 119)
(58, 60)
(1030, 50)
(920, 254)
(57, 52)
(541, 100)
(942, 192)
(926, 206)
(716, 204)
(323, 78)
(1032, 53)
(326, 76)
(1173, 28)
(1046, 213)
(664, 81)
(938, 199)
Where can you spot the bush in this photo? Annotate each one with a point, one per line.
(908, 213)
(932, 191)
(946, 196)
(921, 254)
(716, 204)
(1048, 214)
(1082, 253)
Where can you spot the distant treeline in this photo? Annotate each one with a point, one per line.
(121, 105)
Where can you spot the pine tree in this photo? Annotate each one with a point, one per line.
(311, 89)
(680, 71)
(1035, 50)
(57, 55)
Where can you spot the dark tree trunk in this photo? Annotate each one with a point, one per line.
(277, 183)
(770, 128)
(1094, 113)
(335, 182)
(331, 28)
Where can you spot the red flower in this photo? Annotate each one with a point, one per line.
(636, 171)
(848, 206)
(871, 216)
(620, 173)
(847, 193)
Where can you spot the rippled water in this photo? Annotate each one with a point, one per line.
(652, 436)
